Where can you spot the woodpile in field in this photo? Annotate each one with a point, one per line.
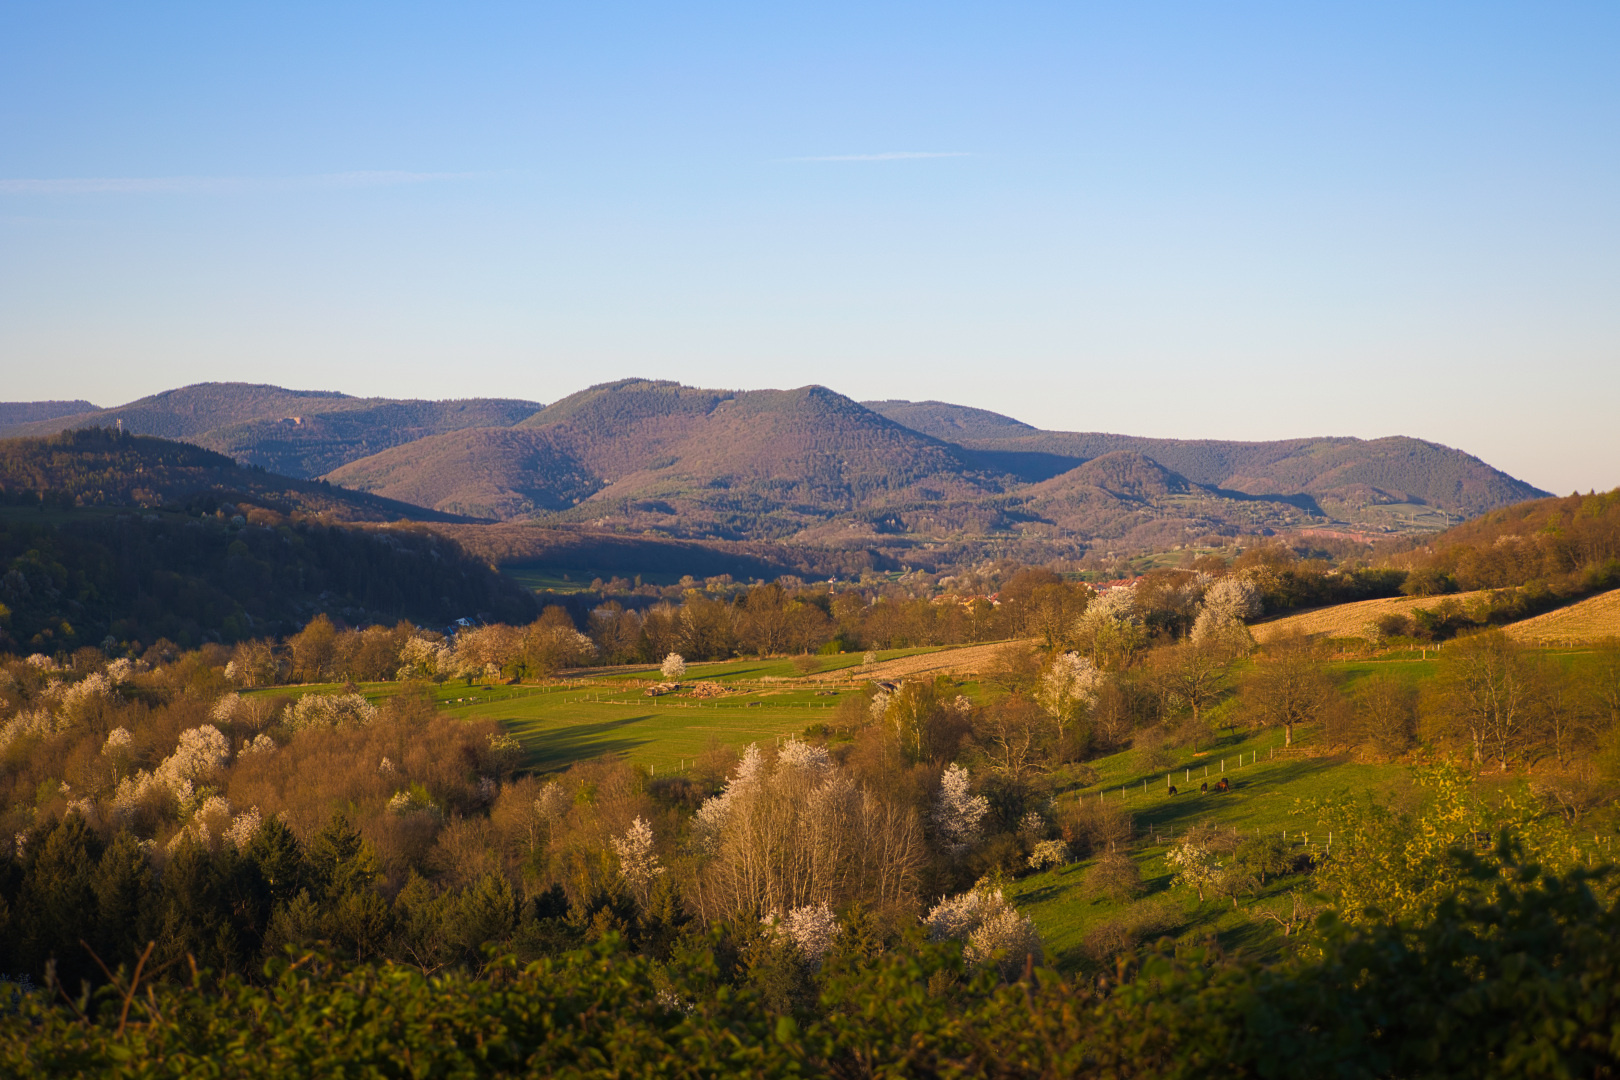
(707, 690)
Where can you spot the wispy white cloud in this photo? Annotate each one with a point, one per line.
(186, 185)
(893, 155)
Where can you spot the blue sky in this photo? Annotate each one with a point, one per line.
(1200, 220)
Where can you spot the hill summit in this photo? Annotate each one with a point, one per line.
(809, 464)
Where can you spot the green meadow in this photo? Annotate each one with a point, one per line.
(1268, 797)
(606, 712)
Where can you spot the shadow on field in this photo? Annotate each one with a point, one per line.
(1189, 806)
(556, 747)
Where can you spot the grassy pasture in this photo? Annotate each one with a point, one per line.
(606, 713)
(560, 727)
(745, 670)
(1267, 798)
(1348, 620)
(560, 724)
(552, 579)
(1591, 619)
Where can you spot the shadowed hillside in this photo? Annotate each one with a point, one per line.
(500, 473)
(28, 412)
(815, 467)
(693, 462)
(300, 433)
(91, 467)
(1345, 476)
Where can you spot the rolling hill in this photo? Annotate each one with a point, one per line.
(13, 413)
(657, 455)
(1585, 621)
(1344, 477)
(212, 550)
(298, 433)
(809, 465)
(806, 464)
(96, 467)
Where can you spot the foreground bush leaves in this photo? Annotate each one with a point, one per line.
(1516, 976)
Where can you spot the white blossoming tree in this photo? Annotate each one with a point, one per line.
(1195, 864)
(958, 812)
(1228, 604)
(1067, 689)
(1234, 598)
(638, 860)
(991, 929)
(330, 710)
(200, 752)
(1049, 853)
(674, 667)
(1110, 630)
(813, 929)
(797, 832)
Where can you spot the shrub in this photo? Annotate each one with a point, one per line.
(1114, 876)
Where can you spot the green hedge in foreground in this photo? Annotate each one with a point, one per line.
(1516, 978)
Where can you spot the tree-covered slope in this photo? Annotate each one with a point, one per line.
(501, 473)
(300, 433)
(28, 412)
(696, 462)
(1343, 474)
(74, 579)
(90, 467)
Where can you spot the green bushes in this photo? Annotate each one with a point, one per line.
(1517, 975)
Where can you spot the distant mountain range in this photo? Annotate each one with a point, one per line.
(98, 467)
(298, 433)
(808, 464)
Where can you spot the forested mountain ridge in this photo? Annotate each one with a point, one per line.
(298, 433)
(658, 455)
(1342, 474)
(814, 466)
(27, 412)
(129, 536)
(72, 580)
(91, 467)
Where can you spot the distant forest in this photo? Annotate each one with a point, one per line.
(212, 576)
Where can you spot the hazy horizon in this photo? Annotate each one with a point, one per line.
(1251, 223)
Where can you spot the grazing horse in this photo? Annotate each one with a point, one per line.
(1223, 785)
(1172, 790)
(1204, 790)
